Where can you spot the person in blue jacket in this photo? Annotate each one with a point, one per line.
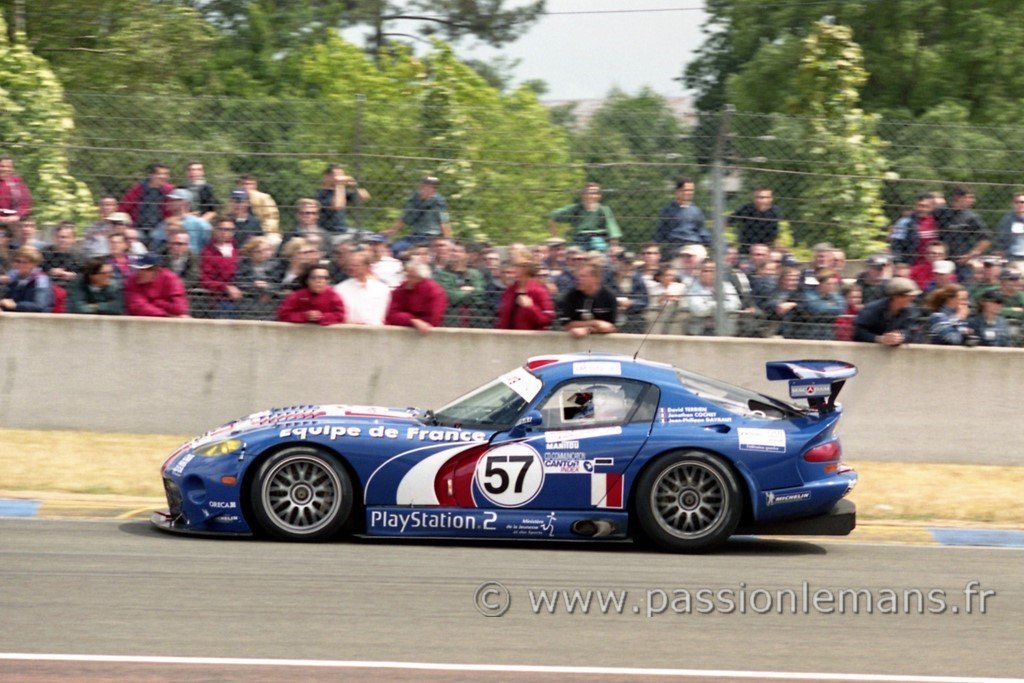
(947, 324)
(29, 289)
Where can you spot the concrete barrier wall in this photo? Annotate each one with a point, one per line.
(917, 403)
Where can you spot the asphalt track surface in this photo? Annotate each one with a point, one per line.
(121, 588)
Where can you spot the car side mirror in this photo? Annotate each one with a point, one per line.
(525, 424)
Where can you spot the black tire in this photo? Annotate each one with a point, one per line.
(301, 494)
(688, 502)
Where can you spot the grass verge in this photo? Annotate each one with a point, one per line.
(129, 465)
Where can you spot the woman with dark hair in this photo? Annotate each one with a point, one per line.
(119, 256)
(97, 292)
(784, 300)
(947, 323)
(526, 304)
(991, 327)
(315, 301)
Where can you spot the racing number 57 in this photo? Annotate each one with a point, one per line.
(502, 467)
(510, 476)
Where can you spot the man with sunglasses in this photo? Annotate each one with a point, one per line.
(307, 222)
(177, 257)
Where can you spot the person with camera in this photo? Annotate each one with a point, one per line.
(338, 190)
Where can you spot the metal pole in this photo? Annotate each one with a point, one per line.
(357, 153)
(19, 18)
(718, 198)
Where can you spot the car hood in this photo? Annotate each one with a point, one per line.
(306, 415)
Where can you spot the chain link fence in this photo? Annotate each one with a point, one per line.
(502, 183)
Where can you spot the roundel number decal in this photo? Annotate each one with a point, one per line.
(510, 475)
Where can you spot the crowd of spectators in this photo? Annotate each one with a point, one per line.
(169, 250)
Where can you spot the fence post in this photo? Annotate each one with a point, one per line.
(19, 18)
(718, 198)
(357, 153)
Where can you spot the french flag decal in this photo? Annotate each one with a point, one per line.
(605, 487)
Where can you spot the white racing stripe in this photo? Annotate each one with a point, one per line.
(504, 668)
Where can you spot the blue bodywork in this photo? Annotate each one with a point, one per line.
(549, 473)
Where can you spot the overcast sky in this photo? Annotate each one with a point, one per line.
(599, 44)
(584, 48)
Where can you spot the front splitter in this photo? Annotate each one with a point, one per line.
(164, 521)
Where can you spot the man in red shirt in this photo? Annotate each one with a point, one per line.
(154, 291)
(15, 199)
(418, 302)
(146, 201)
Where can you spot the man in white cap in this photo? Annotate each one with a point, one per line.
(180, 202)
(691, 257)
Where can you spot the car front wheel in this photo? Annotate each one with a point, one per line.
(301, 494)
(688, 501)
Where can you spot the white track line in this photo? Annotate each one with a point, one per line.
(502, 668)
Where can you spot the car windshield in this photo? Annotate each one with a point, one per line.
(737, 399)
(495, 405)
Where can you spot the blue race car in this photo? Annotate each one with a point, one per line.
(579, 446)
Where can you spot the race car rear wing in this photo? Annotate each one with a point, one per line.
(817, 381)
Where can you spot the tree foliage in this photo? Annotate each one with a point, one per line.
(293, 22)
(841, 193)
(120, 45)
(919, 53)
(36, 125)
(494, 152)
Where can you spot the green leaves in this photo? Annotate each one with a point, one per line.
(36, 125)
(829, 146)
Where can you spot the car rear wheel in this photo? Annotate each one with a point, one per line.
(301, 494)
(688, 501)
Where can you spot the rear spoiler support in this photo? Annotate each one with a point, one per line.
(816, 381)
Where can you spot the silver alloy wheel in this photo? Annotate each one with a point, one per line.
(690, 499)
(301, 494)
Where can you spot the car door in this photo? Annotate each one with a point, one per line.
(591, 429)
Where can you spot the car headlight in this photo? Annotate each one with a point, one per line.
(216, 448)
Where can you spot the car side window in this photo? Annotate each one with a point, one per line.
(598, 402)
